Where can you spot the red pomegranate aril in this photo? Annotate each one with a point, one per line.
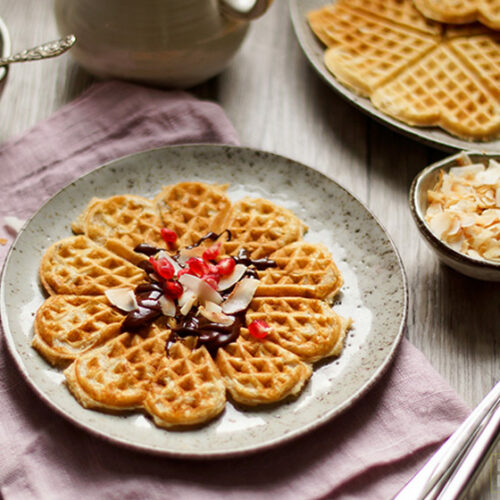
(212, 252)
(197, 266)
(226, 266)
(173, 289)
(169, 236)
(213, 269)
(259, 329)
(162, 267)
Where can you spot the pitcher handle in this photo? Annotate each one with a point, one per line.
(244, 9)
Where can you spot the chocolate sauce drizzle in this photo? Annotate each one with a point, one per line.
(211, 335)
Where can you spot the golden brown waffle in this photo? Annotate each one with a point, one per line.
(122, 222)
(366, 51)
(307, 327)
(421, 79)
(462, 11)
(187, 388)
(303, 269)
(114, 371)
(193, 209)
(398, 12)
(117, 375)
(261, 227)
(78, 225)
(261, 372)
(454, 99)
(78, 266)
(69, 325)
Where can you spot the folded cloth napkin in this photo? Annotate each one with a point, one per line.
(368, 452)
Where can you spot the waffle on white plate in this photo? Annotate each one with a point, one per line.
(413, 68)
(169, 306)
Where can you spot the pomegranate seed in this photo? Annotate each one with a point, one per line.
(197, 266)
(162, 267)
(212, 252)
(210, 280)
(183, 271)
(173, 289)
(169, 236)
(259, 329)
(226, 266)
(213, 269)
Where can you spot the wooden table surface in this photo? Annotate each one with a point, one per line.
(278, 103)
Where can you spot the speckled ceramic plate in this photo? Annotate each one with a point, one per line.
(314, 49)
(374, 294)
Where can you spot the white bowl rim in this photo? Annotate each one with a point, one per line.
(415, 189)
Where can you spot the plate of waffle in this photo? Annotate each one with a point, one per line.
(431, 80)
(202, 301)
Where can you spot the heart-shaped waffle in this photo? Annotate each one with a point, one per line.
(78, 266)
(187, 388)
(302, 269)
(261, 227)
(193, 209)
(261, 372)
(122, 222)
(69, 325)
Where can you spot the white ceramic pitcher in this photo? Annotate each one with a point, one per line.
(174, 43)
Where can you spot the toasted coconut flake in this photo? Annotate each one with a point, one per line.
(123, 298)
(201, 289)
(241, 296)
(464, 209)
(212, 307)
(167, 306)
(216, 317)
(228, 281)
(187, 301)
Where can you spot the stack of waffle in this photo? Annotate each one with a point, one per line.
(78, 329)
(414, 68)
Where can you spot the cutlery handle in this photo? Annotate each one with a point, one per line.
(244, 10)
(43, 51)
(442, 464)
(471, 464)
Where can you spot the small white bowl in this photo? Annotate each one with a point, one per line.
(425, 180)
(4, 52)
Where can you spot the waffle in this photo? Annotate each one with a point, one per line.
(122, 222)
(261, 372)
(366, 51)
(108, 370)
(397, 11)
(78, 266)
(462, 11)
(307, 327)
(304, 270)
(193, 209)
(261, 227)
(454, 99)
(412, 73)
(69, 325)
(187, 388)
(117, 376)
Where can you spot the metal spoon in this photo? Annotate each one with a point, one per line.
(43, 51)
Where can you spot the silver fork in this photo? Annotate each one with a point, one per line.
(451, 470)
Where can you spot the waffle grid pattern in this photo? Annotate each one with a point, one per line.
(107, 370)
(450, 81)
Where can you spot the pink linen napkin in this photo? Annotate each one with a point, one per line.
(368, 452)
